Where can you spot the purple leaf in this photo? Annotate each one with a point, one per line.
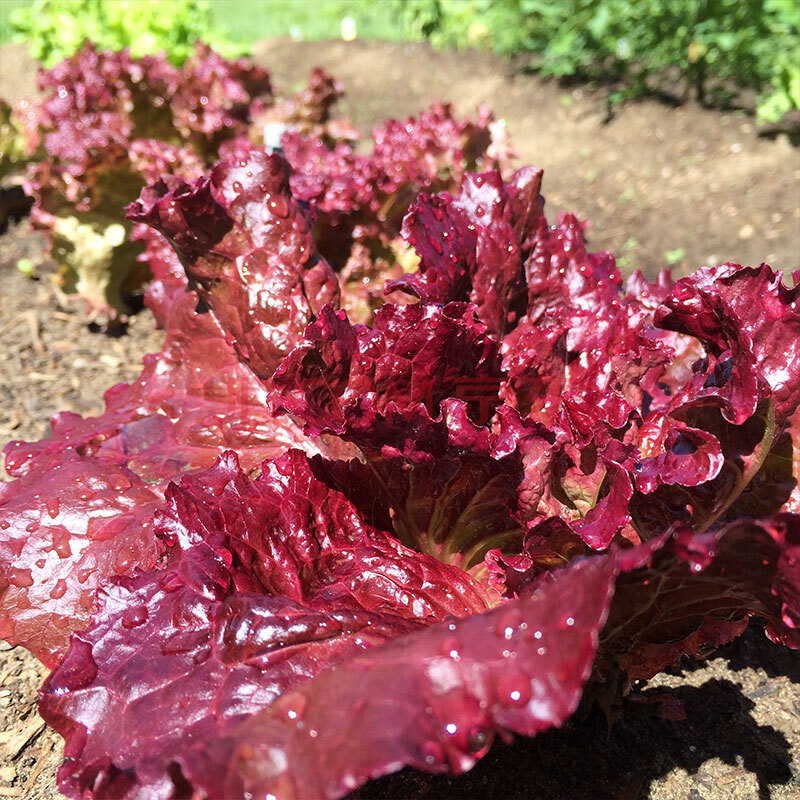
(268, 584)
(748, 321)
(432, 699)
(699, 592)
(383, 388)
(247, 246)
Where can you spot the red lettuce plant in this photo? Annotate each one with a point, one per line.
(108, 124)
(300, 552)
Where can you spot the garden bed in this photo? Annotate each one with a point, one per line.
(654, 181)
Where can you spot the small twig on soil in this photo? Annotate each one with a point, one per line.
(36, 339)
(38, 767)
(62, 298)
(732, 776)
(11, 324)
(12, 425)
(14, 744)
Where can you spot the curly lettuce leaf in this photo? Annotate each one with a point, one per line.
(247, 246)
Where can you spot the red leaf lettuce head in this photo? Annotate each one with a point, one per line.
(195, 399)
(300, 552)
(383, 388)
(282, 621)
(111, 123)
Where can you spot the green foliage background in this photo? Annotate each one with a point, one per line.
(750, 43)
(57, 28)
(247, 20)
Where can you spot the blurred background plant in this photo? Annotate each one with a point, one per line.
(106, 124)
(716, 46)
(56, 29)
(248, 20)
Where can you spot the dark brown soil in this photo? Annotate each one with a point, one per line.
(660, 184)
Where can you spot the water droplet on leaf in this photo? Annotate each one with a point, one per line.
(134, 617)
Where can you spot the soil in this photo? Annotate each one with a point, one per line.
(661, 184)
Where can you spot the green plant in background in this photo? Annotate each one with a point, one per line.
(57, 28)
(714, 45)
(12, 141)
(248, 20)
(783, 93)
(751, 44)
(672, 257)
(152, 25)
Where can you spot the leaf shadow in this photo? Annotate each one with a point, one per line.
(584, 759)
(753, 650)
